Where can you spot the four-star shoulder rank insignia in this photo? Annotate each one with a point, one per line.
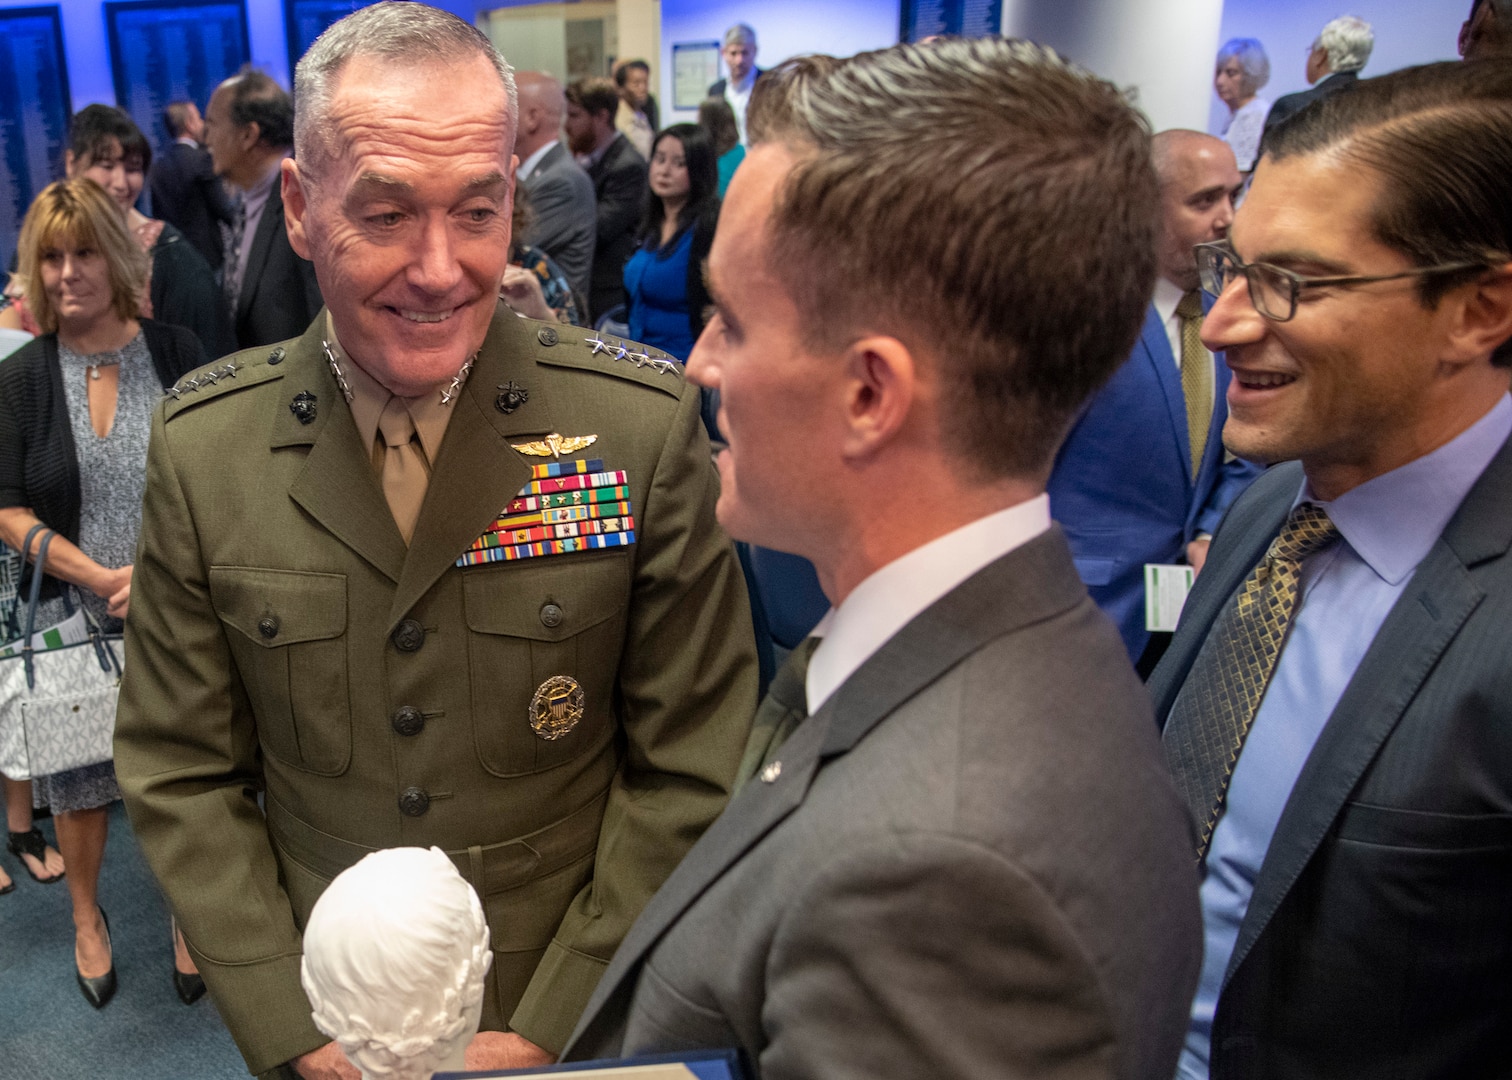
(616, 349)
(555, 445)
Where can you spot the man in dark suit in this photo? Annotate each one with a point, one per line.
(563, 212)
(185, 190)
(1143, 476)
(271, 292)
(739, 55)
(956, 851)
(1334, 64)
(620, 185)
(1347, 641)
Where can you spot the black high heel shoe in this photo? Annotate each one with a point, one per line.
(101, 988)
(189, 986)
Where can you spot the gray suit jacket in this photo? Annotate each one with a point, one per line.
(564, 216)
(1377, 941)
(971, 864)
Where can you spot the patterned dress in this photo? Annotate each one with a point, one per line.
(112, 473)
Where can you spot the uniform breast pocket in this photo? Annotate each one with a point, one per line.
(287, 631)
(544, 642)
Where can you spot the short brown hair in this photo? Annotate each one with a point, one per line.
(991, 206)
(1440, 138)
(594, 95)
(79, 212)
(779, 91)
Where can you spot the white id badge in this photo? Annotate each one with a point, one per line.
(1166, 589)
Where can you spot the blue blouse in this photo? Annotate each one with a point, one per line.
(656, 288)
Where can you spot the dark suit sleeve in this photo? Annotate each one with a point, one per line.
(687, 689)
(854, 983)
(551, 206)
(622, 200)
(213, 191)
(184, 294)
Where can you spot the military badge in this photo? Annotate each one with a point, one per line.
(511, 396)
(303, 407)
(568, 506)
(556, 708)
(555, 445)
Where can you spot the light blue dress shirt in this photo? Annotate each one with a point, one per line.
(1387, 525)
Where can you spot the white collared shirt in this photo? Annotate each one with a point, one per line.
(528, 166)
(739, 96)
(891, 597)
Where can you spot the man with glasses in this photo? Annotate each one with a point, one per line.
(1337, 698)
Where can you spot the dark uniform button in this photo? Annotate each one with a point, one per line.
(276, 356)
(407, 720)
(551, 616)
(268, 627)
(409, 636)
(547, 336)
(414, 802)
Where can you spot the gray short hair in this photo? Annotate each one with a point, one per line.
(1252, 61)
(1347, 41)
(405, 33)
(740, 34)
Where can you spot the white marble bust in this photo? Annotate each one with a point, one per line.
(395, 954)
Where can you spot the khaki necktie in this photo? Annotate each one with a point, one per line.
(405, 472)
(1196, 377)
(1216, 706)
(781, 711)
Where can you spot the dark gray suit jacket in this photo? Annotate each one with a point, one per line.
(279, 294)
(972, 864)
(1378, 940)
(1290, 105)
(621, 186)
(564, 218)
(186, 193)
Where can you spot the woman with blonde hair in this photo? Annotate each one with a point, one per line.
(75, 410)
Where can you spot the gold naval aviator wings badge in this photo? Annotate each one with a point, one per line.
(555, 445)
(557, 707)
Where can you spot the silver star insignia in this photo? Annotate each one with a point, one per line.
(599, 345)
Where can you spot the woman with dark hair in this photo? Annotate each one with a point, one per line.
(105, 145)
(75, 411)
(717, 118)
(664, 283)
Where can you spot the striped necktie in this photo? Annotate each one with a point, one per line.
(1217, 703)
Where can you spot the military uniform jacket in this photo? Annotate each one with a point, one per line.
(282, 639)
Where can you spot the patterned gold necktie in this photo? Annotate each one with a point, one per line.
(781, 711)
(1196, 377)
(1223, 690)
(405, 472)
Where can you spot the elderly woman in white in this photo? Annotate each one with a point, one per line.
(1242, 69)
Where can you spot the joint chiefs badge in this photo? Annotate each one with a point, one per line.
(557, 707)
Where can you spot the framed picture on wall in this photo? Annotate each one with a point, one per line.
(306, 20)
(34, 110)
(695, 65)
(968, 18)
(162, 51)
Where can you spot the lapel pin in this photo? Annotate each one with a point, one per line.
(303, 407)
(511, 396)
(771, 772)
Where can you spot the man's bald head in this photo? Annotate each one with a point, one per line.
(1199, 181)
(542, 105)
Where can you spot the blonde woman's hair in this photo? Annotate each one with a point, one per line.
(77, 213)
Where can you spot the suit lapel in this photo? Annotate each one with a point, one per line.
(257, 256)
(476, 472)
(1156, 348)
(1029, 584)
(336, 486)
(1439, 598)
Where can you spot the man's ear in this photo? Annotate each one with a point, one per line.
(296, 205)
(250, 135)
(1483, 316)
(882, 391)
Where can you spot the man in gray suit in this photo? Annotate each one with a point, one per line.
(562, 205)
(956, 851)
(1337, 698)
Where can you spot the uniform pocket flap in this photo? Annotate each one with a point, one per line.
(557, 599)
(274, 608)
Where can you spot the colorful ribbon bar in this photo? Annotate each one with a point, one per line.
(525, 503)
(566, 468)
(559, 516)
(509, 553)
(592, 527)
(552, 485)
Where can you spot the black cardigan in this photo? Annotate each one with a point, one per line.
(39, 464)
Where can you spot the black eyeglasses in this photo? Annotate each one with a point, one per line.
(1274, 291)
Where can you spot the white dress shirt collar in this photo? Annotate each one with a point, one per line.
(891, 597)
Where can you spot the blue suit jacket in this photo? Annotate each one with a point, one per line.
(1122, 487)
